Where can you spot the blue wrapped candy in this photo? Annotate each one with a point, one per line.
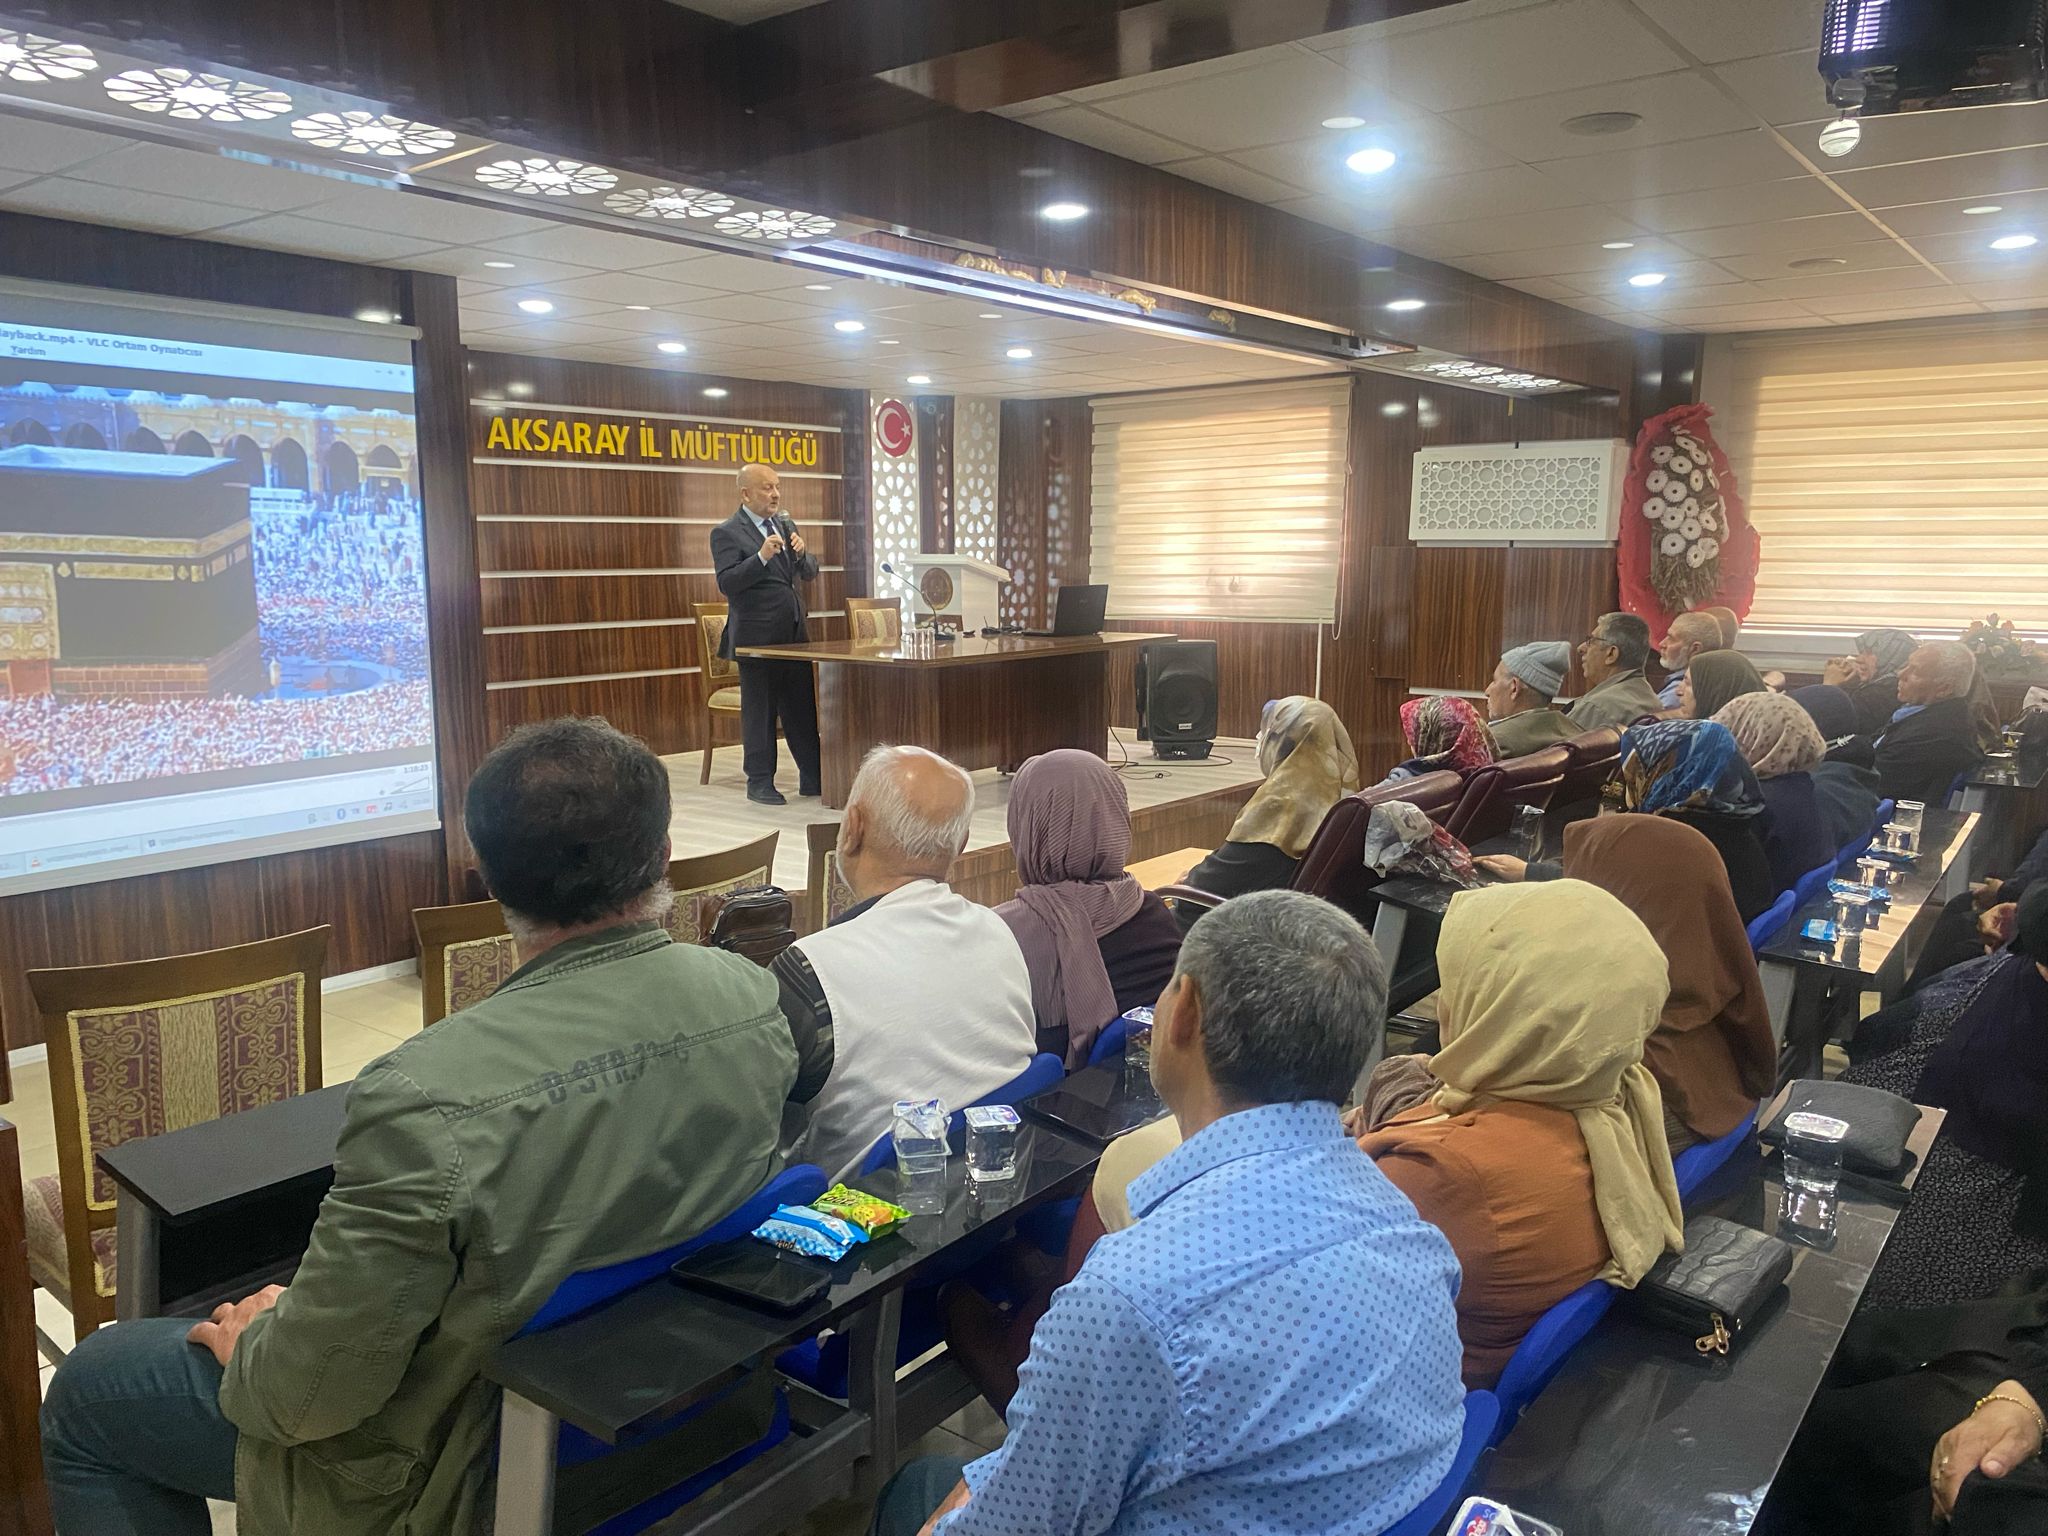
(803, 1230)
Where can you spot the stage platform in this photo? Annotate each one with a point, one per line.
(1173, 805)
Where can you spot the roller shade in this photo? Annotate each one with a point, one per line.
(1221, 504)
(1898, 475)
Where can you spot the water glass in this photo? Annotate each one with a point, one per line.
(918, 1130)
(1873, 873)
(1138, 1058)
(1906, 816)
(1813, 1171)
(991, 1143)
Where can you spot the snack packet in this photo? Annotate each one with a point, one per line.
(871, 1213)
(803, 1230)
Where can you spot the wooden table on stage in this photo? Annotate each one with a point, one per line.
(982, 703)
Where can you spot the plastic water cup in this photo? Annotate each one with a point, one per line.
(1906, 816)
(1138, 1058)
(991, 1143)
(1527, 831)
(919, 1132)
(1813, 1171)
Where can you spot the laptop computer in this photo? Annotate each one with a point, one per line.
(1078, 612)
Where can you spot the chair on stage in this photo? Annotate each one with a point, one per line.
(876, 621)
(1494, 792)
(721, 680)
(148, 1046)
(830, 897)
(466, 953)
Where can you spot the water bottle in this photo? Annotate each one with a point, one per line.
(918, 1130)
(1813, 1172)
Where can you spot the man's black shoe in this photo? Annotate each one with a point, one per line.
(808, 791)
(766, 794)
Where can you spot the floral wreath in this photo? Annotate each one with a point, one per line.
(1686, 540)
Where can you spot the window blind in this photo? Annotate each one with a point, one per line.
(1221, 504)
(1898, 474)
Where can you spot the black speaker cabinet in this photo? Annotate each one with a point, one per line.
(1177, 697)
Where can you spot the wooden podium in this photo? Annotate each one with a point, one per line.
(982, 703)
(960, 589)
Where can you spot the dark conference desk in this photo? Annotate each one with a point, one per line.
(2010, 791)
(1640, 1435)
(984, 703)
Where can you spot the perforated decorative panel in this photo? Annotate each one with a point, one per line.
(894, 517)
(1531, 493)
(977, 447)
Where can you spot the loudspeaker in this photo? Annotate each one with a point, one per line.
(1177, 697)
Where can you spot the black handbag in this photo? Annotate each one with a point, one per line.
(1879, 1122)
(1718, 1286)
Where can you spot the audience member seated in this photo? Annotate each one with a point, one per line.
(1442, 732)
(1713, 680)
(923, 993)
(1096, 942)
(1518, 707)
(1305, 754)
(1932, 736)
(1612, 659)
(1274, 1344)
(1870, 675)
(470, 1180)
(1539, 1149)
(1731, 626)
(1833, 711)
(1974, 1042)
(1779, 742)
(1977, 922)
(1936, 1412)
(1847, 796)
(1690, 635)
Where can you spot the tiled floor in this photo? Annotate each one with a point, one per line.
(359, 1024)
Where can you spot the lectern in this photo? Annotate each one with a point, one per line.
(960, 589)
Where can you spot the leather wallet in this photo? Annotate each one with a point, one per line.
(1879, 1122)
(1718, 1286)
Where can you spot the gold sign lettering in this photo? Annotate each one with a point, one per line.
(553, 435)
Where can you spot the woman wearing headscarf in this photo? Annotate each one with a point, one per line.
(1443, 732)
(1095, 941)
(1305, 754)
(1713, 679)
(1541, 1154)
(1871, 676)
(1833, 711)
(1712, 1054)
(1688, 771)
(1781, 745)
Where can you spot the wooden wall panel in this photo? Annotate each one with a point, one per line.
(589, 545)
(1455, 609)
(546, 491)
(1254, 663)
(1042, 524)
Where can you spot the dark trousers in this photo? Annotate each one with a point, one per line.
(771, 691)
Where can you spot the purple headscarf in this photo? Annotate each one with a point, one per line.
(1070, 827)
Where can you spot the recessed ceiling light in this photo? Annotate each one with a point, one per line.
(849, 327)
(537, 306)
(1343, 122)
(1018, 353)
(1617, 245)
(715, 393)
(671, 347)
(919, 378)
(1594, 124)
(1063, 213)
(2013, 242)
(1980, 208)
(1817, 263)
(374, 316)
(818, 287)
(641, 307)
(989, 314)
(1646, 279)
(887, 341)
(502, 266)
(1403, 306)
(1370, 162)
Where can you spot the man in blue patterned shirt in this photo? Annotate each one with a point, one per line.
(1273, 1346)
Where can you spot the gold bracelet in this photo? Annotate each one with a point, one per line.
(2006, 1397)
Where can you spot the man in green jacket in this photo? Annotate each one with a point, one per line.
(616, 1095)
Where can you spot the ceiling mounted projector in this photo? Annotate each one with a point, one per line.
(1919, 55)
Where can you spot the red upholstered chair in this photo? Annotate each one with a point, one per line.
(1593, 758)
(1493, 792)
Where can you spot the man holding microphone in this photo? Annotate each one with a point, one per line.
(760, 558)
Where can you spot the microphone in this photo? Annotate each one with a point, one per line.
(912, 588)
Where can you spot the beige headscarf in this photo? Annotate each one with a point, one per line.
(1306, 755)
(1549, 991)
(1774, 733)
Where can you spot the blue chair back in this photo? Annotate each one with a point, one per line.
(1045, 1071)
(1765, 926)
(1482, 1419)
(589, 1288)
(1884, 813)
(1544, 1347)
(1111, 1041)
(1695, 1165)
(1813, 882)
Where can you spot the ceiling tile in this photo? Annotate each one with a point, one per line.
(289, 232)
(1425, 146)
(1203, 69)
(2026, 210)
(620, 288)
(1792, 198)
(1811, 288)
(605, 249)
(1862, 256)
(1285, 96)
(420, 215)
(467, 262)
(27, 144)
(1973, 247)
(1725, 160)
(1522, 52)
(97, 204)
(1863, 309)
(210, 178)
(1239, 181)
(1111, 135)
(1905, 136)
(1926, 181)
(2006, 279)
(1726, 315)
(1781, 88)
(1736, 29)
(1673, 107)
(1813, 235)
(1547, 288)
(1558, 226)
(732, 274)
(1586, 256)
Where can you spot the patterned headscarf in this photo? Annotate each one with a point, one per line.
(1305, 754)
(1891, 647)
(1686, 765)
(1775, 735)
(1447, 733)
